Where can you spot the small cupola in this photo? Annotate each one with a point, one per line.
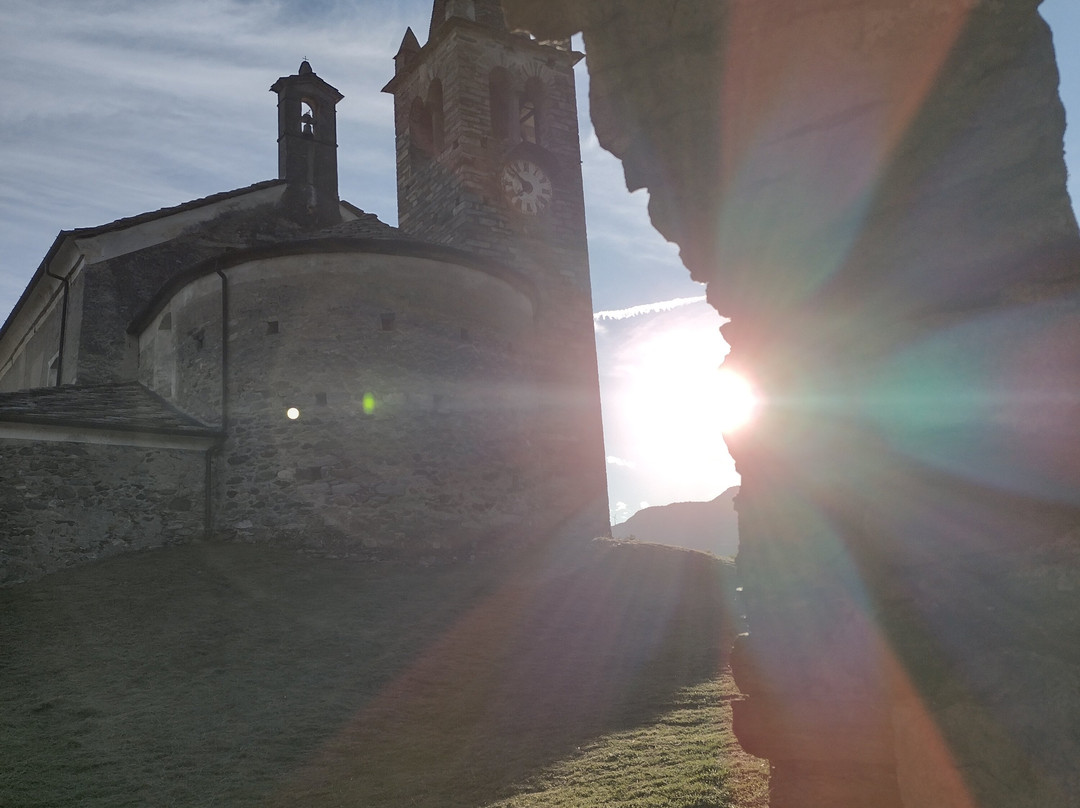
(307, 145)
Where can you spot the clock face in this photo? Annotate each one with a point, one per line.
(527, 186)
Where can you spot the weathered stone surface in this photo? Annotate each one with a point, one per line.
(410, 443)
(875, 193)
(65, 504)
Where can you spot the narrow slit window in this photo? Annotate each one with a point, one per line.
(54, 371)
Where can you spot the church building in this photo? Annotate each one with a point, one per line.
(272, 364)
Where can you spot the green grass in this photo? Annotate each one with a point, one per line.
(230, 675)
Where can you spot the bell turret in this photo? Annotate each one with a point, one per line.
(307, 144)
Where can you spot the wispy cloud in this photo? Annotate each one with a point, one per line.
(612, 460)
(115, 107)
(647, 308)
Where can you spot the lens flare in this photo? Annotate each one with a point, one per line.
(368, 403)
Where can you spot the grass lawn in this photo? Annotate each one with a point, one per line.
(232, 675)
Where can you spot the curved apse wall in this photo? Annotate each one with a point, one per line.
(410, 379)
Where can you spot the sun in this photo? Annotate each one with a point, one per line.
(736, 401)
(681, 389)
(675, 402)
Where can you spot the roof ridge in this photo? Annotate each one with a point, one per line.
(127, 221)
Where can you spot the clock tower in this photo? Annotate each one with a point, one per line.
(488, 157)
(489, 162)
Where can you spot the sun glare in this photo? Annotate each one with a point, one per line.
(674, 403)
(736, 401)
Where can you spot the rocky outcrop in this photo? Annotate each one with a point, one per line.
(874, 191)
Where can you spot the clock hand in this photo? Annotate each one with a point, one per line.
(526, 186)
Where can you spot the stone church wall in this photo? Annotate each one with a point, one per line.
(415, 384)
(69, 503)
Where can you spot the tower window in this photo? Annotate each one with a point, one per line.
(435, 110)
(386, 319)
(528, 121)
(54, 371)
(499, 92)
(530, 111)
(421, 135)
(272, 327)
(307, 118)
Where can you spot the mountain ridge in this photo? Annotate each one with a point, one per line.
(710, 526)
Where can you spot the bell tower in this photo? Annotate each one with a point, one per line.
(489, 162)
(307, 144)
(488, 157)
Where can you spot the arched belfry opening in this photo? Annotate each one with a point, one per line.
(499, 101)
(307, 144)
(308, 118)
(435, 110)
(530, 111)
(421, 134)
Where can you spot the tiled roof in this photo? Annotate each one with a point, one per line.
(149, 216)
(123, 406)
(121, 224)
(367, 225)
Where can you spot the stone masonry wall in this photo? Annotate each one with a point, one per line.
(69, 503)
(417, 396)
(455, 197)
(436, 457)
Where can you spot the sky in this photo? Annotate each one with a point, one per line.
(109, 108)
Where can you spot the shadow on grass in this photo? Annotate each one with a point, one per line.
(234, 675)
